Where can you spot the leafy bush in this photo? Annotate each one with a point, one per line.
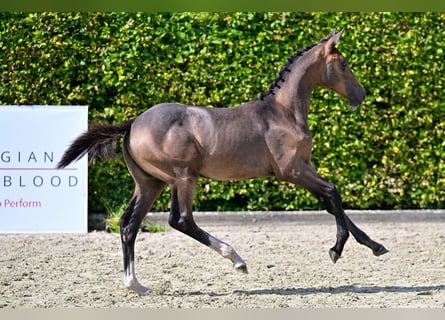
(387, 154)
(112, 224)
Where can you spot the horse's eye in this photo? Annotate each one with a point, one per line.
(344, 64)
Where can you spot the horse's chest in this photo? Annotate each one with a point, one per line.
(286, 146)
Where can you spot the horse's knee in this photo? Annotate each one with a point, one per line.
(331, 200)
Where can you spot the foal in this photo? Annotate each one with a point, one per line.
(173, 144)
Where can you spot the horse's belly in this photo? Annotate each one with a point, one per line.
(228, 170)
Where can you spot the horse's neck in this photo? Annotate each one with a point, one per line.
(296, 92)
(292, 89)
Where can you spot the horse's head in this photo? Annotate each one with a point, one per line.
(336, 74)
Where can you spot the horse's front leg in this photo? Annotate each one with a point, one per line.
(181, 218)
(306, 176)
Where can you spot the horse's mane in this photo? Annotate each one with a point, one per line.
(287, 68)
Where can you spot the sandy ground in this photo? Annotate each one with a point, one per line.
(289, 266)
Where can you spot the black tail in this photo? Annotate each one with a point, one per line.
(99, 140)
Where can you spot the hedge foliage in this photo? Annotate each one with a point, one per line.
(387, 154)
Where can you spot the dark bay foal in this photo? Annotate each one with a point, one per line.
(173, 144)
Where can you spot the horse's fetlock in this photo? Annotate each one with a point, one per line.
(343, 234)
(227, 251)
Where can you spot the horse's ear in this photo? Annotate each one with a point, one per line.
(333, 39)
(336, 37)
(331, 34)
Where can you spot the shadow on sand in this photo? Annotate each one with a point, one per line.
(420, 290)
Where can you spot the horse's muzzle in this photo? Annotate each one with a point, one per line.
(356, 96)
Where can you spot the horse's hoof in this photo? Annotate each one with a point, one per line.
(241, 267)
(139, 289)
(380, 250)
(334, 255)
(144, 292)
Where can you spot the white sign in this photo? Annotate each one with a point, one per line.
(34, 195)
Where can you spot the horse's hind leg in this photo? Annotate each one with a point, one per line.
(181, 218)
(140, 204)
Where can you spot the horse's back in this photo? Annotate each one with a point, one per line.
(218, 143)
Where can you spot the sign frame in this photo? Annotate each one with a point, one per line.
(35, 197)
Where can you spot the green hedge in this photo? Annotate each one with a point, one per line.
(387, 154)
